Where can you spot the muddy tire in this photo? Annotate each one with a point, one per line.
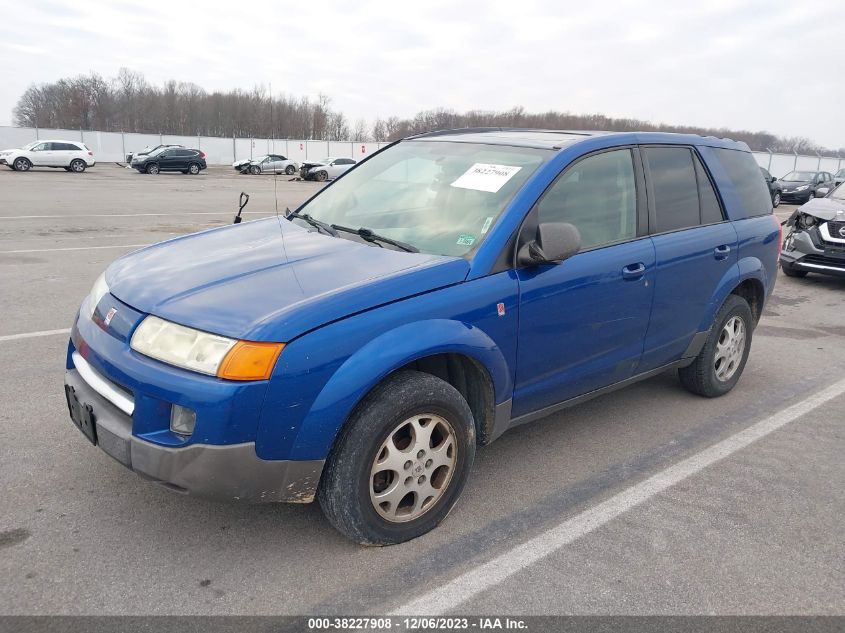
(719, 364)
(401, 461)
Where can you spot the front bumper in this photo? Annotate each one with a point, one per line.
(805, 250)
(796, 196)
(230, 471)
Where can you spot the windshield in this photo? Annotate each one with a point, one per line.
(838, 193)
(440, 197)
(29, 146)
(840, 173)
(799, 176)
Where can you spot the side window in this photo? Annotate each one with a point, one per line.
(675, 188)
(711, 210)
(41, 147)
(598, 194)
(741, 170)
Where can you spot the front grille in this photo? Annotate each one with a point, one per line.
(823, 261)
(834, 228)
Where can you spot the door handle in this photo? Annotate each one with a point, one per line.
(722, 251)
(632, 272)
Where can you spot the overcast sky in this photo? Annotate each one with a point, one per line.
(768, 65)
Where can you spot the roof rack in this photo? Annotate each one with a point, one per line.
(479, 130)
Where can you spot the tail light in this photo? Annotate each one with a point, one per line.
(202, 155)
(90, 153)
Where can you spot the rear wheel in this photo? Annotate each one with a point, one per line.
(22, 164)
(152, 169)
(401, 462)
(719, 364)
(194, 169)
(789, 271)
(290, 170)
(77, 165)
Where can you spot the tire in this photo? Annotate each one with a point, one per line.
(789, 271)
(152, 169)
(255, 170)
(77, 165)
(22, 164)
(193, 169)
(321, 176)
(290, 170)
(776, 199)
(385, 427)
(719, 364)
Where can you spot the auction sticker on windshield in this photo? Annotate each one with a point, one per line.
(486, 177)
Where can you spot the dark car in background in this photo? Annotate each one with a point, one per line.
(146, 151)
(775, 188)
(802, 186)
(188, 161)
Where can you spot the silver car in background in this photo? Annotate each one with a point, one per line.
(267, 164)
(326, 169)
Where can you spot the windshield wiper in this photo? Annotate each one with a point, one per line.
(328, 229)
(369, 236)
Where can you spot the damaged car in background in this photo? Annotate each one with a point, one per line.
(326, 169)
(267, 164)
(815, 242)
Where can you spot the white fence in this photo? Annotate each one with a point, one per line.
(113, 147)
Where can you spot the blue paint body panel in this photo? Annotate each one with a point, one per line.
(351, 313)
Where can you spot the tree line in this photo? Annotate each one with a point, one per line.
(129, 103)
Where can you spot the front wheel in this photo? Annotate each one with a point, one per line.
(22, 164)
(401, 462)
(321, 176)
(255, 170)
(77, 165)
(152, 169)
(719, 364)
(776, 199)
(789, 271)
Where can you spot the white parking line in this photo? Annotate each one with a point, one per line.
(73, 248)
(128, 215)
(481, 578)
(15, 337)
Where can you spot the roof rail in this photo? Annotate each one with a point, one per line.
(478, 130)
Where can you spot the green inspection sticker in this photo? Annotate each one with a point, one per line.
(466, 240)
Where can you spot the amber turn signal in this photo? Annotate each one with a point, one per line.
(250, 360)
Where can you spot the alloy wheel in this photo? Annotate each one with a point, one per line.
(730, 349)
(413, 468)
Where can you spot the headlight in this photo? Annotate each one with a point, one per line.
(802, 188)
(806, 221)
(203, 352)
(99, 291)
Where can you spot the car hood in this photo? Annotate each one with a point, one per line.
(313, 163)
(254, 281)
(241, 163)
(825, 208)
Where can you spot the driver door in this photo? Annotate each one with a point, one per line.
(583, 322)
(41, 154)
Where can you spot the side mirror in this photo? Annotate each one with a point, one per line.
(774, 179)
(555, 242)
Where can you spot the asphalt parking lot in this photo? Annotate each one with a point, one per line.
(542, 527)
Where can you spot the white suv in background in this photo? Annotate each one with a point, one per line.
(71, 155)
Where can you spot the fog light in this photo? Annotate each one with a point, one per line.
(182, 420)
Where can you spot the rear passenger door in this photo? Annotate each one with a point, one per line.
(695, 247)
(582, 322)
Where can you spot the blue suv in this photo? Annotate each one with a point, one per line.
(451, 286)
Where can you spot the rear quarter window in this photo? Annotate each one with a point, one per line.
(744, 175)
